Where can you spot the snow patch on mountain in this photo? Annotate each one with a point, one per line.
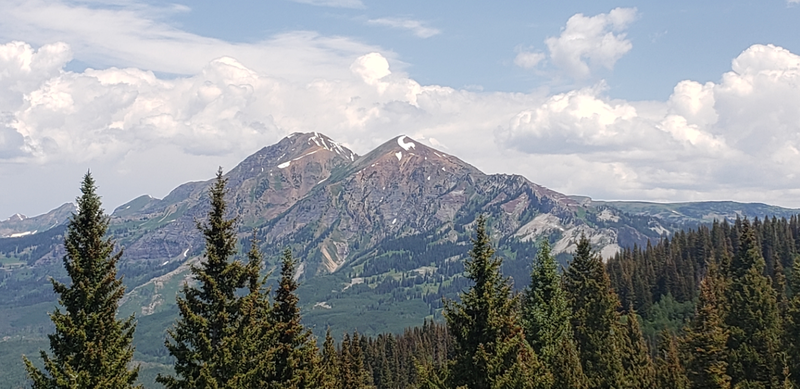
(21, 234)
(658, 228)
(404, 145)
(330, 145)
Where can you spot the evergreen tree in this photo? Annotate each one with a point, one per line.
(255, 335)
(669, 371)
(705, 338)
(329, 364)
(594, 318)
(546, 319)
(204, 338)
(793, 327)
(295, 351)
(91, 348)
(353, 372)
(488, 342)
(639, 369)
(753, 319)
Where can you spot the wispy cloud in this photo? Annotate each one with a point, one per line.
(528, 59)
(417, 27)
(137, 36)
(333, 3)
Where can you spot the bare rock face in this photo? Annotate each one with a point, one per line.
(260, 188)
(404, 188)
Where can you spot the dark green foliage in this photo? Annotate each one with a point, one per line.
(329, 364)
(413, 358)
(487, 341)
(205, 340)
(294, 354)
(254, 331)
(753, 318)
(546, 320)
(669, 314)
(639, 369)
(594, 318)
(705, 339)
(669, 371)
(90, 347)
(793, 326)
(353, 373)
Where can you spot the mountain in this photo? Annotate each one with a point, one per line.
(380, 237)
(693, 213)
(21, 225)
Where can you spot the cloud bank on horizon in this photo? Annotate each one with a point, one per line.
(737, 138)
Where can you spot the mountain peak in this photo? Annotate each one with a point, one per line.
(322, 141)
(402, 153)
(16, 217)
(406, 146)
(299, 148)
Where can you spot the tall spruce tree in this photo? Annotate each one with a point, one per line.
(295, 351)
(705, 339)
(255, 335)
(669, 370)
(546, 320)
(639, 368)
(488, 341)
(594, 318)
(91, 347)
(753, 318)
(793, 326)
(352, 370)
(329, 364)
(204, 339)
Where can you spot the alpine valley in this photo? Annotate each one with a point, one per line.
(381, 238)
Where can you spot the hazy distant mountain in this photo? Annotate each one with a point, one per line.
(21, 225)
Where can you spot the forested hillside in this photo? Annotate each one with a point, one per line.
(719, 308)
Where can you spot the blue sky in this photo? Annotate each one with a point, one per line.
(474, 43)
(659, 101)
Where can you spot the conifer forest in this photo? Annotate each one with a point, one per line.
(713, 307)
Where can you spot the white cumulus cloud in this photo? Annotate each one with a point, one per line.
(588, 42)
(738, 138)
(742, 133)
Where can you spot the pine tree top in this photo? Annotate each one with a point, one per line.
(90, 347)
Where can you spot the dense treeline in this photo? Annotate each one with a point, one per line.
(741, 328)
(736, 288)
(642, 276)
